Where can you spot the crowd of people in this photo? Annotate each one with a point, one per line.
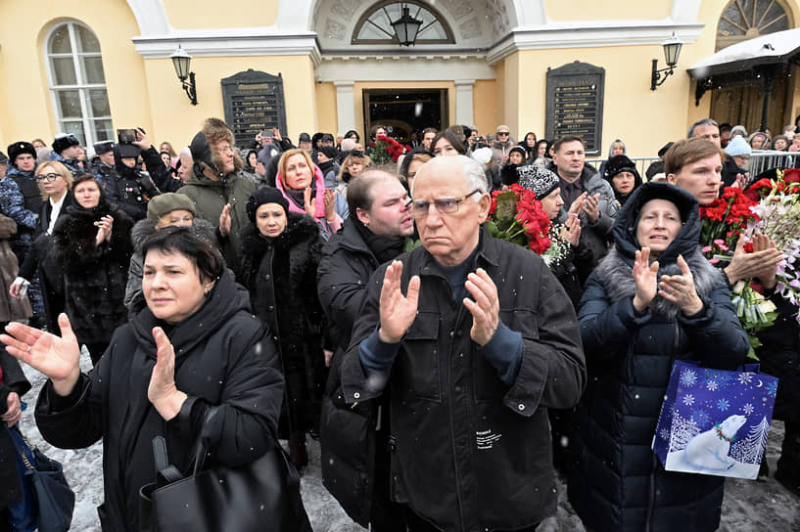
(251, 294)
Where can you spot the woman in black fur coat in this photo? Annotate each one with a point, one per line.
(92, 243)
(280, 253)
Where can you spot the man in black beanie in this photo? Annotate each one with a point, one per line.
(67, 150)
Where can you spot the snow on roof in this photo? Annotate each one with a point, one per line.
(770, 46)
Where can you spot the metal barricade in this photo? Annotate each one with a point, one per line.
(761, 161)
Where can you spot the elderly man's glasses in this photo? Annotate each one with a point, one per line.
(47, 177)
(420, 208)
(502, 133)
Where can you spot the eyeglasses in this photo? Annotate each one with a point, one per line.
(47, 177)
(502, 133)
(420, 208)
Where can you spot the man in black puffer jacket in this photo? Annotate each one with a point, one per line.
(355, 466)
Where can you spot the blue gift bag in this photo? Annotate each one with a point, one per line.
(715, 422)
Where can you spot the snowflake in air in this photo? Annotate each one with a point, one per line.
(772, 388)
(712, 386)
(745, 378)
(723, 405)
(688, 377)
(748, 409)
(688, 399)
(664, 434)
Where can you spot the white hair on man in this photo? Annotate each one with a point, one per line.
(471, 170)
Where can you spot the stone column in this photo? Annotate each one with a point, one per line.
(345, 106)
(464, 115)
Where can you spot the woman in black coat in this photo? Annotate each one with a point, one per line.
(196, 346)
(92, 243)
(13, 385)
(636, 319)
(280, 253)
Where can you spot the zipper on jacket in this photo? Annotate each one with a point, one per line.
(651, 496)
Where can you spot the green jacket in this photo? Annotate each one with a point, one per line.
(210, 197)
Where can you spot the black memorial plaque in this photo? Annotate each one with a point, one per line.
(253, 102)
(575, 103)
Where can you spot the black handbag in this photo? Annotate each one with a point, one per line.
(54, 501)
(261, 496)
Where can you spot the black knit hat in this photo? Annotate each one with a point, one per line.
(18, 148)
(64, 141)
(540, 180)
(265, 195)
(329, 151)
(519, 149)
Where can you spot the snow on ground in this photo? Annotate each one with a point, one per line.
(748, 505)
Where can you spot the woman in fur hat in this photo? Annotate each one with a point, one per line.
(302, 184)
(92, 243)
(621, 172)
(653, 299)
(280, 253)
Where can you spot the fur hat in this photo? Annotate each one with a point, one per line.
(618, 164)
(18, 148)
(168, 202)
(482, 155)
(216, 131)
(738, 146)
(540, 180)
(64, 141)
(738, 129)
(103, 147)
(265, 195)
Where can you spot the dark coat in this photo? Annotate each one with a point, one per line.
(39, 260)
(223, 358)
(281, 274)
(13, 380)
(470, 452)
(780, 356)
(619, 484)
(94, 277)
(347, 433)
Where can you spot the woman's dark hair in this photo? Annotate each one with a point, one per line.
(546, 150)
(184, 240)
(450, 137)
(86, 177)
(353, 134)
(247, 166)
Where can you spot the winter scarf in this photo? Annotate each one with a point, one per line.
(297, 199)
(384, 249)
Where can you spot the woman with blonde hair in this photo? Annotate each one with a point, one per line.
(302, 184)
(351, 168)
(55, 187)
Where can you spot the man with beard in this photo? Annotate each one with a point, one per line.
(354, 440)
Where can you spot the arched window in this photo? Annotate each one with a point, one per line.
(78, 83)
(747, 19)
(375, 26)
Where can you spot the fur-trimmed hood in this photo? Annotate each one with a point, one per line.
(615, 271)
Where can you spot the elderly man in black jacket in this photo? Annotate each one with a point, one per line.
(482, 344)
(353, 440)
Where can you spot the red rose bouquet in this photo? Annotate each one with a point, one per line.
(721, 224)
(517, 216)
(386, 149)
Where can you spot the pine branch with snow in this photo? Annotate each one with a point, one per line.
(750, 449)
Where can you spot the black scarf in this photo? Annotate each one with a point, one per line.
(299, 196)
(384, 249)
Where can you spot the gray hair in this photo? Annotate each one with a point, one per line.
(701, 122)
(186, 151)
(471, 169)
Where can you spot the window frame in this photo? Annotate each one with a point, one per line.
(450, 39)
(87, 119)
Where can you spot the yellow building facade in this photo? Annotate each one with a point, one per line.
(91, 66)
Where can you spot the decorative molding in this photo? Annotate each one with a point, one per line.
(591, 35)
(150, 16)
(228, 43)
(440, 67)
